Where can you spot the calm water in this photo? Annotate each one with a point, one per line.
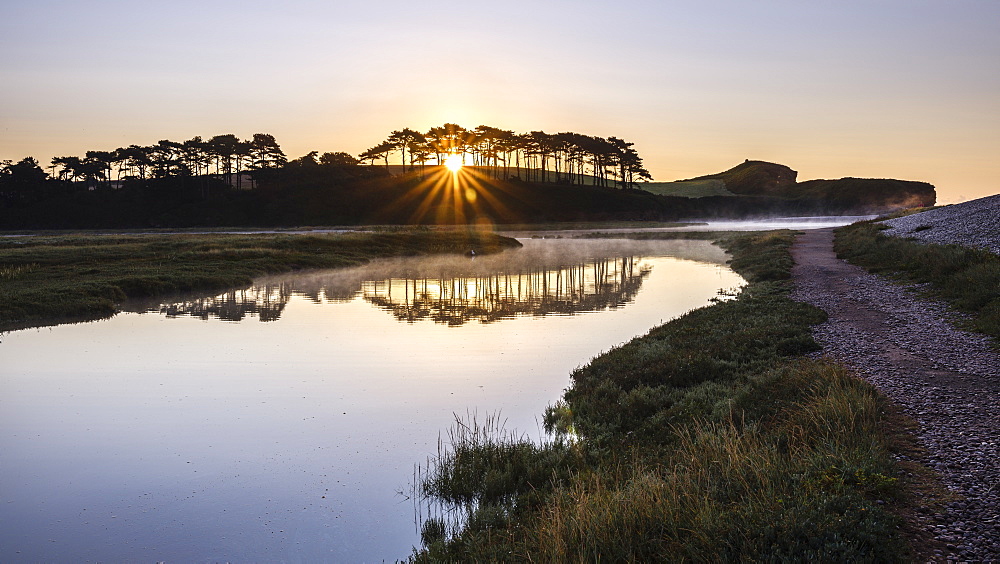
(282, 422)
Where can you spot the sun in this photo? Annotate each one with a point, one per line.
(453, 163)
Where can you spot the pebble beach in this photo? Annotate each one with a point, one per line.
(945, 378)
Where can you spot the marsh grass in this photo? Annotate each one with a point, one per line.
(484, 477)
(48, 279)
(968, 279)
(11, 273)
(710, 439)
(490, 464)
(733, 490)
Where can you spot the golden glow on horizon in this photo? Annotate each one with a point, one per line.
(463, 197)
(453, 163)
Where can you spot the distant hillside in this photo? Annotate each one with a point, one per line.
(688, 188)
(756, 178)
(874, 195)
(774, 185)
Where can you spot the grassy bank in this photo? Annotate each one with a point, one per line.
(709, 439)
(48, 279)
(968, 279)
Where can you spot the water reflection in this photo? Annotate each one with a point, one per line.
(594, 286)
(148, 438)
(543, 278)
(264, 302)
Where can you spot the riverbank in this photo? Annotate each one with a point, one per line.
(945, 378)
(710, 438)
(53, 279)
(965, 271)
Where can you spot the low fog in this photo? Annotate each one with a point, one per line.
(267, 296)
(536, 255)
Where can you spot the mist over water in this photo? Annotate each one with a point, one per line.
(557, 276)
(282, 422)
(548, 254)
(757, 224)
(765, 224)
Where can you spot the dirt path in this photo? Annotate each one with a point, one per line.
(946, 379)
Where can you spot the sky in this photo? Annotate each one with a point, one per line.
(904, 89)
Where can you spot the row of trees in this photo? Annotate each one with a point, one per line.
(536, 156)
(225, 156)
(541, 157)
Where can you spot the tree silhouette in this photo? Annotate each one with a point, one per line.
(339, 159)
(21, 181)
(380, 151)
(406, 141)
(68, 167)
(265, 152)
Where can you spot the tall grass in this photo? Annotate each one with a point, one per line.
(485, 475)
(802, 487)
(709, 439)
(968, 279)
(11, 273)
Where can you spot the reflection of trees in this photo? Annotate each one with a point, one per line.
(265, 302)
(589, 286)
(451, 293)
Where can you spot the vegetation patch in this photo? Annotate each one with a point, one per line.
(688, 188)
(72, 277)
(712, 438)
(968, 279)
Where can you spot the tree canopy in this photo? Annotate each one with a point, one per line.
(536, 156)
(226, 160)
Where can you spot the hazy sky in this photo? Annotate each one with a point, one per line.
(904, 89)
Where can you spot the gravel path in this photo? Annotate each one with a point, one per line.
(946, 379)
(975, 223)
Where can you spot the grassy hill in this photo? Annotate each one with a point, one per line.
(756, 178)
(688, 188)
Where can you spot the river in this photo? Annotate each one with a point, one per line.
(282, 422)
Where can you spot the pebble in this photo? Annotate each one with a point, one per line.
(947, 379)
(975, 223)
